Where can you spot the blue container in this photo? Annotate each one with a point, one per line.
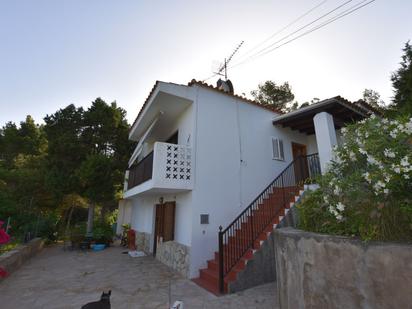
(99, 247)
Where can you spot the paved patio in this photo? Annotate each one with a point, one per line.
(58, 279)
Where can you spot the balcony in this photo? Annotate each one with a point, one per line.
(167, 169)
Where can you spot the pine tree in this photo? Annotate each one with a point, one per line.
(402, 84)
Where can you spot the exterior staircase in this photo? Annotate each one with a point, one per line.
(245, 235)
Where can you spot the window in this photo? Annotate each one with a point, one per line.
(277, 149)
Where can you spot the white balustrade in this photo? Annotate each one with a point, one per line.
(172, 166)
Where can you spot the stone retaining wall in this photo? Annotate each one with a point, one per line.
(143, 242)
(262, 268)
(322, 271)
(174, 255)
(13, 259)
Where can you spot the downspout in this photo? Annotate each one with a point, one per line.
(240, 154)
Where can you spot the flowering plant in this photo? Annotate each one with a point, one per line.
(367, 190)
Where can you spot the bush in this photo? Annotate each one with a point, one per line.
(103, 233)
(367, 191)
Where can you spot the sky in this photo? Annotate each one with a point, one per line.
(54, 53)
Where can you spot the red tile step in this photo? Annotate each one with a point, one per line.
(209, 277)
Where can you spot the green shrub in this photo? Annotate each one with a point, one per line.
(102, 232)
(8, 247)
(367, 191)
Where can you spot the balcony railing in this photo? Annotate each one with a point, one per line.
(141, 172)
(169, 166)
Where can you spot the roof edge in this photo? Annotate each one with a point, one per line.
(205, 85)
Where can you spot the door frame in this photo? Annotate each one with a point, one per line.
(302, 146)
(156, 227)
(159, 214)
(301, 168)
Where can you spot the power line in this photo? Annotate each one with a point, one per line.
(338, 16)
(284, 28)
(270, 37)
(296, 31)
(343, 14)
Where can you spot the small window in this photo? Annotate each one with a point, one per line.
(204, 219)
(277, 149)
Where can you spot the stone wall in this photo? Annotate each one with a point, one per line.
(13, 259)
(174, 255)
(322, 271)
(262, 268)
(143, 242)
(259, 270)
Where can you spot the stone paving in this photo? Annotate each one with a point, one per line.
(69, 279)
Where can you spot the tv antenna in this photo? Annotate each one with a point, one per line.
(223, 67)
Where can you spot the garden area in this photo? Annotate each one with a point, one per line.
(366, 192)
(61, 180)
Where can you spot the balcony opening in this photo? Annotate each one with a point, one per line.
(173, 139)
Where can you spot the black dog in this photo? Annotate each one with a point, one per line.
(103, 303)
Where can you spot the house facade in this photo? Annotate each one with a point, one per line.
(203, 155)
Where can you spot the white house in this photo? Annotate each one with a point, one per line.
(203, 156)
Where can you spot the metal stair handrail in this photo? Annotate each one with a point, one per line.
(239, 236)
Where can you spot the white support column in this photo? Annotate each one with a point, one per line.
(325, 138)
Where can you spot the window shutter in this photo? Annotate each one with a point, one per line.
(277, 149)
(281, 156)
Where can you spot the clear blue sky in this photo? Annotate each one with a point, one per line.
(53, 53)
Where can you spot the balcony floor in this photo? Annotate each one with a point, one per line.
(148, 188)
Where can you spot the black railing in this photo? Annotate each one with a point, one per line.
(240, 235)
(141, 172)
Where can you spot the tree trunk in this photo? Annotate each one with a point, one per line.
(90, 219)
(66, 233)
(102, 214)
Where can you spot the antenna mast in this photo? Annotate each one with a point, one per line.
(227, 60)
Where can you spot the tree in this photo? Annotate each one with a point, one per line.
(274, 95)
(23, 196)
(373, 98)
(402, 84)
(65, 150)
(105, 135)
(10, 143)
(96, 175)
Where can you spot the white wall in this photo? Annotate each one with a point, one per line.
(143, 212)
(124, 215)
(312, 146)
(184, 125)
(234, 164)
(231, 142)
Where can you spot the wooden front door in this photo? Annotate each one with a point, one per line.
(301, 165)
(164, 223)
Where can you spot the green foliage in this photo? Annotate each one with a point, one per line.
(102, 232)
(65, 150)
(96, 176)
(274, 95)
(8, 247)
(367, 191)
(48, 173)
(402, 84)
(373, 98)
